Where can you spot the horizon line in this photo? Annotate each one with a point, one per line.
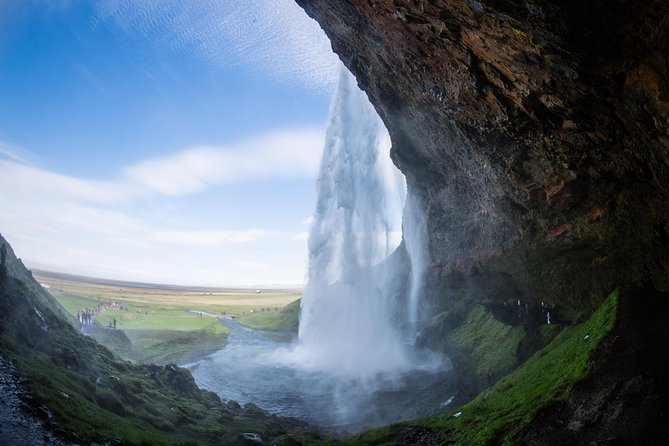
(134, 284)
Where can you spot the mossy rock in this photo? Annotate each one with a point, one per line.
(486, 343)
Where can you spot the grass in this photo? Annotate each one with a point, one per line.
(487, 343)
(213, 301)
(105, 399)
(286, 320)
(143, 316)
(500, 414)
(102, 397)
(161, 323)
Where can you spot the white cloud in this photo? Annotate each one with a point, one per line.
(280, 154)
(30, 181)
(276, 36)
(209, 238)
(308, 221)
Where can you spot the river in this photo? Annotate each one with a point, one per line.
(252, 368)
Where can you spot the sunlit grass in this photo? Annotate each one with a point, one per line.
(166, 325)
(286, 319)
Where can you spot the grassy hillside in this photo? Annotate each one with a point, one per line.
(499, 415)
(101, 397)
(286, 320)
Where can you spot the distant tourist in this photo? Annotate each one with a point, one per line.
(114, 321)
(548, 317)
(490, 376)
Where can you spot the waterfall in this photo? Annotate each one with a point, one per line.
(414, 232)
(355, 364)
(347, 314)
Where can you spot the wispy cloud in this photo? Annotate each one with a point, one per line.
(15, 153)
(29, 181)
(275, 35)
(281, 154)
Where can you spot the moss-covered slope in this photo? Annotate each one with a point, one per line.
(501, 414)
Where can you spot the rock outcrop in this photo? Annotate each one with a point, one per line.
(535, 133)
(535, 136)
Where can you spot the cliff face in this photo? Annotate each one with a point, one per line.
(534, 133)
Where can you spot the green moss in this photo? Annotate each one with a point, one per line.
(499, 415)
(487, 343)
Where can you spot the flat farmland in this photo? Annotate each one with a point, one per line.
(210, 300)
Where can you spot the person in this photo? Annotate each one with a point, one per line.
(548, 317)
(114, 321)
(489, 377)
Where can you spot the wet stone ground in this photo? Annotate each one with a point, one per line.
(22, 421)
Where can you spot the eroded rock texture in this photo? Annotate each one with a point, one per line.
(536, 134)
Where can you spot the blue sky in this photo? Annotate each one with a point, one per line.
(162, 141)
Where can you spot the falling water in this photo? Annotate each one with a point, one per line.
(347, 310)
(414, 236)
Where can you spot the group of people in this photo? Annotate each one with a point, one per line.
(85, 316)
(265, 309)
(529, 311)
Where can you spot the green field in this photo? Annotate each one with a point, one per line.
(167, 325)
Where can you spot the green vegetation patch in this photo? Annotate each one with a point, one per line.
(176, 346)
(488, 343)
(500, 414)
(286, 320)
(105, 399)
(159, 334)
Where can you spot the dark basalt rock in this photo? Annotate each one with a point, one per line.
(535, 133)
